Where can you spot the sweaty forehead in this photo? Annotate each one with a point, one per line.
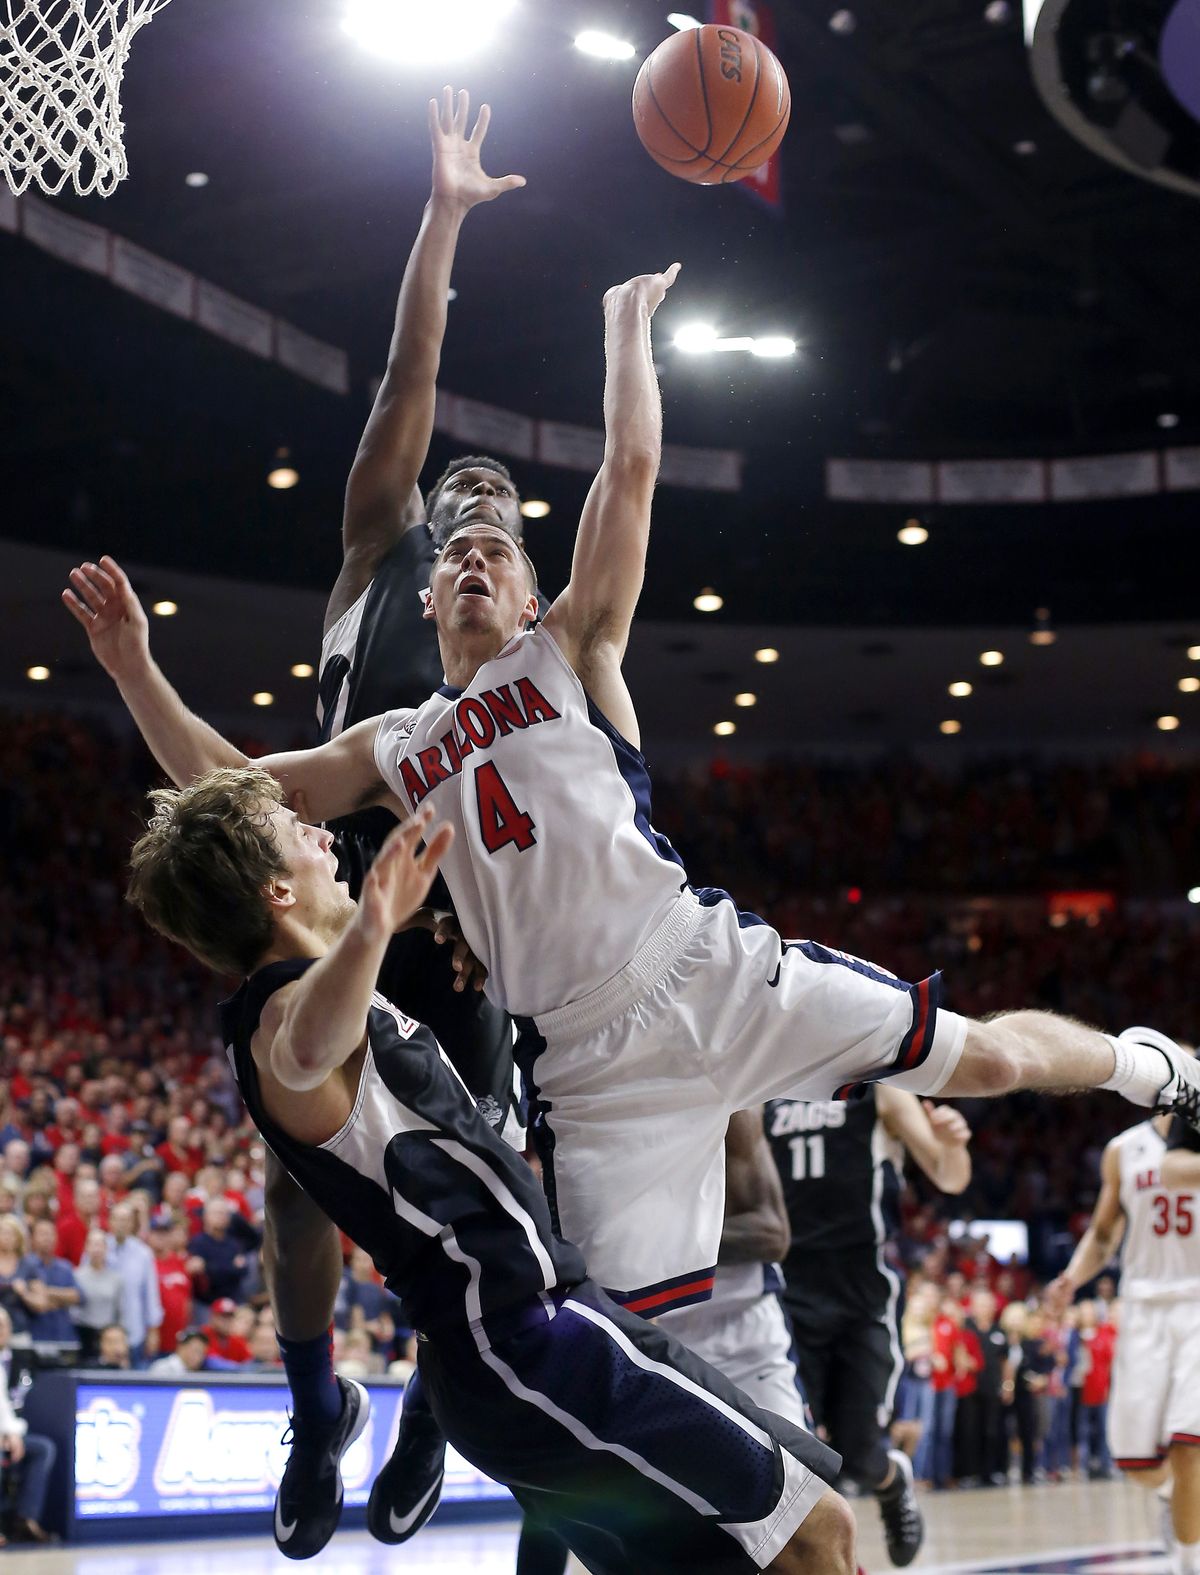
(477, 533)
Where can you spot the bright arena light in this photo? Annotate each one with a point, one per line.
(682, 20)
(912, 534)
(1167, 724)
(1193, 652)
(604, 46)
(961, 689)
(746, 699)
(1194, 894)
(991, 658)
(283, 478)
(38, 674)
(696, 338)
(263, 697)
(773, 348)
(708, 600)
(949, 727)
(1188, 686)
(302, 669)
(165, 609)
(724, 729)
(535, 508)
(416, 32)
(766, 654)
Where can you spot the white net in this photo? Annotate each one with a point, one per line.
(61, 64)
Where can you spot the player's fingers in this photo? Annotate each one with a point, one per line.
(88, 592)
(462, 109)
(482, 121)
(671, 274)
(435, 849)
(447, 108)
(435, 117)
(111, 568)
(510, 183)
(77, 610)
(101, 577)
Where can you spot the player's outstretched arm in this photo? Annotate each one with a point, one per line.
(382, 500)
(936, 1136)
(591, 618)
(756, 1228)
(335, 779)
(320, 1021)
(1098, 1244)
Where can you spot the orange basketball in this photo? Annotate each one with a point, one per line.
(711, 104)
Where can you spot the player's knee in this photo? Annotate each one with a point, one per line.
(991, 1061)
(824, 1542)
(1149, 1478)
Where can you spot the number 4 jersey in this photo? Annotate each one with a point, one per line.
(556, 873)
(1160, 1260)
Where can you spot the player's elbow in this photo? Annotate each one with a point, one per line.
(631, 463)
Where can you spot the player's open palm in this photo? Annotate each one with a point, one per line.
(458, 174)
(646, 290)
(398, 881)
(101, 598)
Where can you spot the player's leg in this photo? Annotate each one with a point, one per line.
(1184, 1460)
(302, 1267)
(1180, 1351)
(640, 1455)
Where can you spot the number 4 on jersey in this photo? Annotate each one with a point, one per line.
(500, 821)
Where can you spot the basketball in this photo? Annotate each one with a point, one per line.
(711, 104)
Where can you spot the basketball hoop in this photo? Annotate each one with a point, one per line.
(61, 64)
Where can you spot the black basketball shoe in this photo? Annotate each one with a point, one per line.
(308, 1505)
(903, 1522)
(407, 1490)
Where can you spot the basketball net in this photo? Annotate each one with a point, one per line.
(61, 64)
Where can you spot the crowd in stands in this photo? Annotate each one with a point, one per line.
(131, 1183)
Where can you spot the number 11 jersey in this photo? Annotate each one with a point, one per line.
(556, 872)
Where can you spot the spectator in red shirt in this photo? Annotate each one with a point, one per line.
(86, 1214)
(1098, 1342)
(66, 1163)
(218, 1331)
(168, 1239)
(947, 1344)
(178, 1152)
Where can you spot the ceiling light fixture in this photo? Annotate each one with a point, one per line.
(696, 339)
(1167, 419)
(603, 46)
(773, 347)
(682, 20)
(1188, 686)
(991, 658)
(1025, 148)
(961, 689)
(302, 669)
(283, 478)
(263, 697)
(197, 180)
(418, 34)
(766, 654)
(708, 600)
(1193, 653)
(38, 674)
(1167, 724)
(746, 699)
(724, 729)
(843, 22)
(912, 534)
(535, 508)
(949, 727)
(165, 609)
(1194, 894)
(1041, 633)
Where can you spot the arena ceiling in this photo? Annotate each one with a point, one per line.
(953, 296)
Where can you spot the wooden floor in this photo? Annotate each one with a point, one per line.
(1103, 1528)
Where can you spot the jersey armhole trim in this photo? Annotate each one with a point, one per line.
(332, 1144)
(335, 628)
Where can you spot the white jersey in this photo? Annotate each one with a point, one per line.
(556, 873)
(1160, 1260)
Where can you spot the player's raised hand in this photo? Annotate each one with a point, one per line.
(949, 1126)
(458, 175)
(398, 881)
(646, 290)
(101, 598)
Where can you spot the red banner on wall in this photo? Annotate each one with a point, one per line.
(752, 16)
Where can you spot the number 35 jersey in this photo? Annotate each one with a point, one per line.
(1160, 1258)
(556, 872)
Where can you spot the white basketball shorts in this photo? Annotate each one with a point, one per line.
(632, 1086)
(750, 1345)
(1155, 1400)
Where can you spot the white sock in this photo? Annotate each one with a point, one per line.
(1185, 1558)
(1141, 1072)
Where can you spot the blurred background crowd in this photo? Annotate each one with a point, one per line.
(131, 1183)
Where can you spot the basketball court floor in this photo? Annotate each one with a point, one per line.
(1069, 1529)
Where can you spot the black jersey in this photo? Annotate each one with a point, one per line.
(839, 1169)
(453, 1218)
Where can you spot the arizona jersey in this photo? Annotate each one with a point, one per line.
(555, 871)
(839, 1169)
(452, 1217)
(1160, 1259)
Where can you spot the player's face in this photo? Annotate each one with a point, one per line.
(476, 496)
(321, 901)
(480, 585)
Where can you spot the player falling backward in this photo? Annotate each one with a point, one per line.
(651, 1010)
(1149, 1205)
(607, 1431)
